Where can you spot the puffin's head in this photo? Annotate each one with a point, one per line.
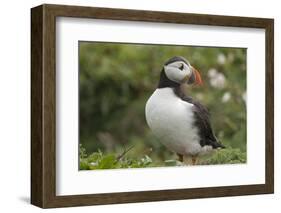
(179, 70)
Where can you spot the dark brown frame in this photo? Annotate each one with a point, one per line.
(43, 105)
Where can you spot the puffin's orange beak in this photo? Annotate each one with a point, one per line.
(198, 79)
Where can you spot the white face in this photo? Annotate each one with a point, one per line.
(178, 71)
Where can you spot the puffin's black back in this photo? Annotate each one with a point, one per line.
(202, 121)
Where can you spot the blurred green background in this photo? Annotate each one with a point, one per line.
(117, 79)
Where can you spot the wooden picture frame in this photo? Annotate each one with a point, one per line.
(43, 105)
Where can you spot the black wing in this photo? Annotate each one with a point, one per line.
(202, 122)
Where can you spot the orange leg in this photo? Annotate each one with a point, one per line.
(180, 157)
(194, 160)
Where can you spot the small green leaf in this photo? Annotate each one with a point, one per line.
(83, 165)
(145, 161)
(173, 163)
(107, 162)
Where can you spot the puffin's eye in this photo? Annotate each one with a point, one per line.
(181, 67)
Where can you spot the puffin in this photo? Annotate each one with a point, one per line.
(181, 123)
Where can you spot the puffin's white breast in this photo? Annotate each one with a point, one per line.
(172, 121)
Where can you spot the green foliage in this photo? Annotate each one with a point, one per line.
(173, 163)
(116, 80)
(82, 151)
(226, 156)
(99, 160)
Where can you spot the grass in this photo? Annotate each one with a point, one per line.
(100, 160)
